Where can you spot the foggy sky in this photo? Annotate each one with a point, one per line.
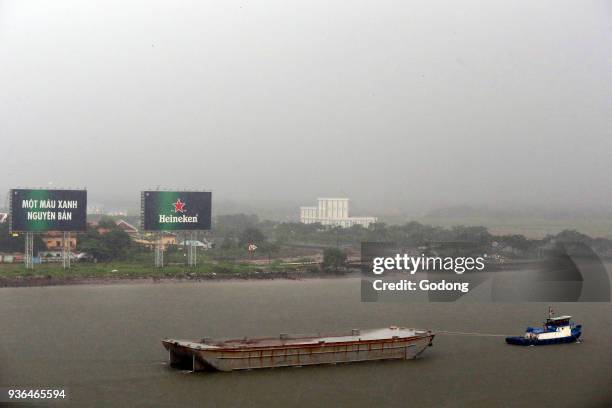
(395, 104)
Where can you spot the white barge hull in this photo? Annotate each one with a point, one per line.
(287, 351)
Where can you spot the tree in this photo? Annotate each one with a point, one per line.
(252, 235)
(107, 222)
(517, 241)
(573, 236)
(115, 244)
(118, 242)
(378, 232)
(471, 234)
(333, 259)
(227, 243)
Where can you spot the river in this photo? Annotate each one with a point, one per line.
(102, 343)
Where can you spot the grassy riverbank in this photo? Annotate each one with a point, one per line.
(54, 274)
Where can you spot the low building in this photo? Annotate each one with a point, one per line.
(333, 211)
(125, 226)
(53, 240)
(14, 257)
(167, 239)
(205, 244)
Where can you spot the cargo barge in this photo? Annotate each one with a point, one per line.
(392, 343)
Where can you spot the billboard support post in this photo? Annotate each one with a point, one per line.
(159, 250)
(194, 258)
(29, 250)
(191, 251)
(66, 251)
(185, 247)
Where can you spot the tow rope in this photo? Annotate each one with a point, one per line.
(456, 333)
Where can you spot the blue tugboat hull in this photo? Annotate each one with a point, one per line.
(522, 341)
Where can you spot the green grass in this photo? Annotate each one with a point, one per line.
(136, 270)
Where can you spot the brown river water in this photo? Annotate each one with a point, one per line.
(102, 344)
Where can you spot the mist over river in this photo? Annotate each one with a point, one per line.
(102, 343)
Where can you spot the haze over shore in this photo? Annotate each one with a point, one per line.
(402, 105)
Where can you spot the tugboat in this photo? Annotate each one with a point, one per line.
(556, 330)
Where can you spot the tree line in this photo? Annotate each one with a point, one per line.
(233, 233)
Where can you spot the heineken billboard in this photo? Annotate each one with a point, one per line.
(40, 210)
(175, 210)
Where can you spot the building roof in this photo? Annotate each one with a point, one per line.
(126, 226)
(333, 198)
(56, 234)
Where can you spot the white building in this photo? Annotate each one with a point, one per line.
(333, 211)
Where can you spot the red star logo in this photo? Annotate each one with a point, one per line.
(179, 206)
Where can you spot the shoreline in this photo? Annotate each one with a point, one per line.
(45, 281)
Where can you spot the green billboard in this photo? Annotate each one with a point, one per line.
(175, 210)
(41, 210)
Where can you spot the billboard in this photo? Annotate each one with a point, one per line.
(40, 210)
(175, 210)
